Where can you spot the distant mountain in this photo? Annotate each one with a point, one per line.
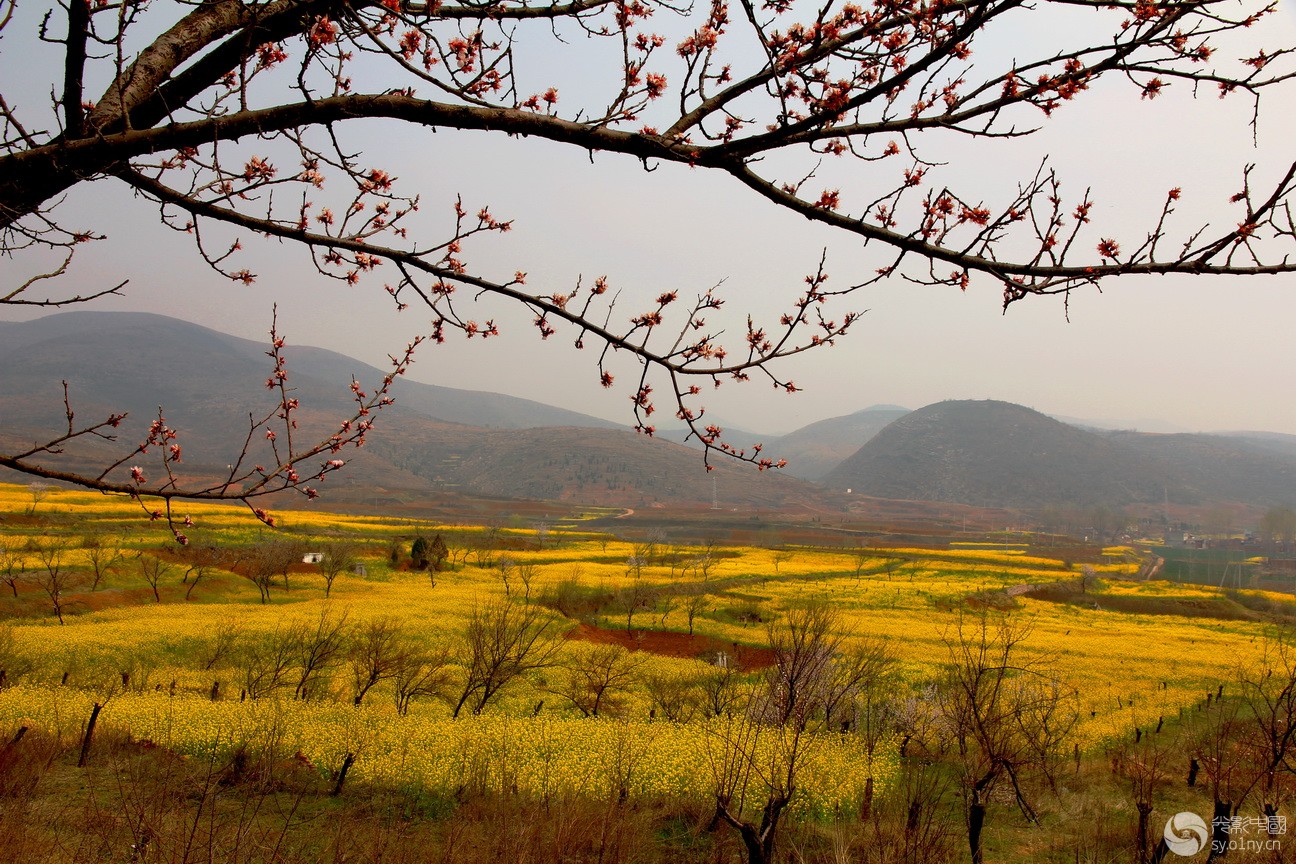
(36, 350)
(996, 454)
(1004, 455)
(1254, 470)
(1140, 424)
(813, 451)
(1274, 442)
(435, 440)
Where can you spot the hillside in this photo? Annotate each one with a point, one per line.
(1004, 455)
(1001, 455)
(208, 383)
(205, 364)
(814, 450)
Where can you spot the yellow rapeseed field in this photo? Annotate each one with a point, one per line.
(1120, 664)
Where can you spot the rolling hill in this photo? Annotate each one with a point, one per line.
(999, 454)
(434, 441)
(814, 450)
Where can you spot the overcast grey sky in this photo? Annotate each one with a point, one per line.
(1164, 353)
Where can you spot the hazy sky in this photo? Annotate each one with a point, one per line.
(1161, 353)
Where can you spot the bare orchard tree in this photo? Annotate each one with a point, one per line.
(201, 562)
(759, 749)
(12, 568)
(1230, 765)
(1268, 689)
(260, 564)
(1007, 713)
(339, 558)
(756, 767)
(422, 670)
(1143, 760)
(152, 570)
(223, 644)
(103, 554)
(39, 491)
(598, 679)
(526, 574)
(53, 575)
(696, 603)
(506, 566)
(374, 654)
(318, 647)
(266, 660)
(502, 642)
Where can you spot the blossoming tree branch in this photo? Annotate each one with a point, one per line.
(227, 114)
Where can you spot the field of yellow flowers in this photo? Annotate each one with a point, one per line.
(157, 666)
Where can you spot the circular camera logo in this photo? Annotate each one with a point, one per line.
(1186, 834)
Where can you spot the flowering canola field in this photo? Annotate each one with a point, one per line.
(1121, 665)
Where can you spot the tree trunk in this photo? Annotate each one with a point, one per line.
(1144, 813)
(866, 806)
(89, 735)
(1221, 821)
(347, 762)
(976, 822)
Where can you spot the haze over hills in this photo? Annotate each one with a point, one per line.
(814, 450)
(208, 383)
(442, 441)
(1004, 455)
(203, 361)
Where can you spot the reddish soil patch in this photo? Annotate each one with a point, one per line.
(668, 644)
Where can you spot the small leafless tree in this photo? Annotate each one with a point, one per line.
(1268, 690)
(781, 556)
(720, 690)
(264, 561)
(39, 491)
(338, 558)
(374, 654)
(202, 561)
(152, 570)
(502, 642)
(505, 568)
(223, 644)
(1143, 760)
(1008, 714)
(526, 573)
(598, 679)
(696, 604)
(103, 554)
(673, 696)
(53, 576)
(267, 660)
(703, 565)
(862, 557)
(13, 569)
(761, 746)
(318, 648)
(457, 550)
(421, 670)
(483, 554)
(756, 766)
(541, 530)
(666, 604)
(636, 596)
